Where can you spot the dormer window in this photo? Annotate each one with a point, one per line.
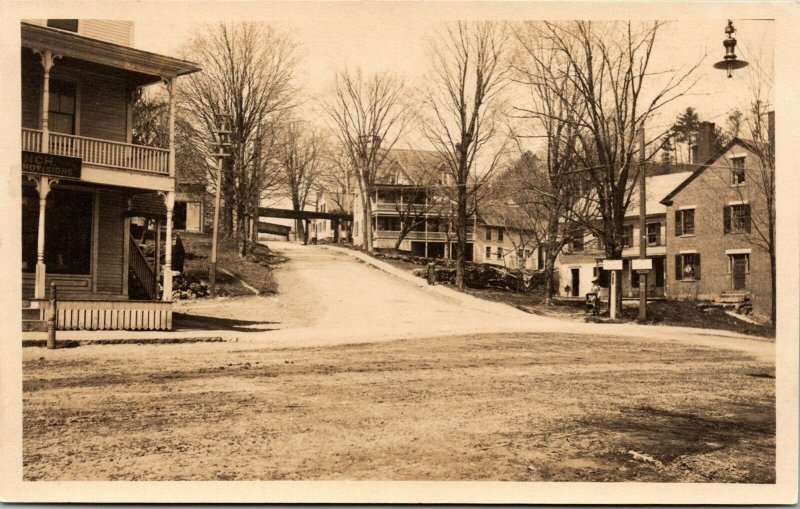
(70, 25)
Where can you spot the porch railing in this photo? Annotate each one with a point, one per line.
(111, 154)
(142, 270)
(31, 140)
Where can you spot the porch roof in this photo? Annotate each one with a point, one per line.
(150, 67)
(148, 205)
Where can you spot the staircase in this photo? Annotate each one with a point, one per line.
(32, 318)
(143, 273)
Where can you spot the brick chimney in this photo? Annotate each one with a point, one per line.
(703, 148)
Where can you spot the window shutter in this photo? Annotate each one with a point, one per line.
(747, 218)
(678, 267)
(678, 225)
(726, 219)
(697, 266)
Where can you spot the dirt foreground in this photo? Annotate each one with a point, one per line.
(351, 373)
(488, 407)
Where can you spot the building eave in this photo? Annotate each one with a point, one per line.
(76, 46)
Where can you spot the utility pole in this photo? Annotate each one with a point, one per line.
(642, 229)
(223, 140)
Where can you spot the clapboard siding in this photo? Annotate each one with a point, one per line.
(103, 105)
(32, 76)
(114, 31)
(102, 99)
(109, 30)
(110, 248)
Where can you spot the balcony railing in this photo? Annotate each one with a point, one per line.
(416, 235)
(110, 154)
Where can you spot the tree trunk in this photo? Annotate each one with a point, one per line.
(298, 223)
(254, 223)
(245, 235)
(549, 280)
(773, 310)
(461, 235)
(368, 224)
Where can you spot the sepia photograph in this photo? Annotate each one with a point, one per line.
(542, 250)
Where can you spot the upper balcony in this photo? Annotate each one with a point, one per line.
(100, 153)
(78, 99)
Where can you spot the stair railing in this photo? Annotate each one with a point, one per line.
(143, 271)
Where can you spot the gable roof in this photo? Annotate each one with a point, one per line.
(667, 200)
(656, 187)
(409, 167)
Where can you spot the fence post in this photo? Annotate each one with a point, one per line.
(51, 318)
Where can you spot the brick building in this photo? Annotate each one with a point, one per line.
(717, 226)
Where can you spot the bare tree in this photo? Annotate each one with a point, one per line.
(337, 178)
(463, 108)
(247, 73)
(608, 65)
(547, 190)
(299, 156)
(760, 128)
(369, 115)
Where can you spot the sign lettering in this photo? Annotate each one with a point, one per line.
(62, 167)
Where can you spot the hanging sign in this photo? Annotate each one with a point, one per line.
(639, 264)
(61, 167)
(612, 264)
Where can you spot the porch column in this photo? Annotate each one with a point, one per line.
(170, 203)
(43, 185)
(158, 247)
(170, 82)
(48, 59)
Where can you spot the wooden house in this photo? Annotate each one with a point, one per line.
(84, 180)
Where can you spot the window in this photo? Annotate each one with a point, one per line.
(577, 242)
(488, 253)
(520, 254)
(499, 253)
(627, 236)
(62, 107)
(654, 234)
(687, 266)
(499, 235)
(736, 218)
(389, 223)
(488, 234)
(387, 196)
(63, 24)
(737, 171)
(68, 231)
(684, 222)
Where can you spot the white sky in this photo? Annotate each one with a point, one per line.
(380, 36)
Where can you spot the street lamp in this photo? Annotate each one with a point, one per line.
(729, 61)
(223, 122)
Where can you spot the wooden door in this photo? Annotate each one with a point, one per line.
(739, 271)
(576, 282)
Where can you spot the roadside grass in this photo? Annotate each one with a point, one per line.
(688, 314)
(665, 312)
(255, 269)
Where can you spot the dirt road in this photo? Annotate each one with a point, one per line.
(329, 297)
(351, 373)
